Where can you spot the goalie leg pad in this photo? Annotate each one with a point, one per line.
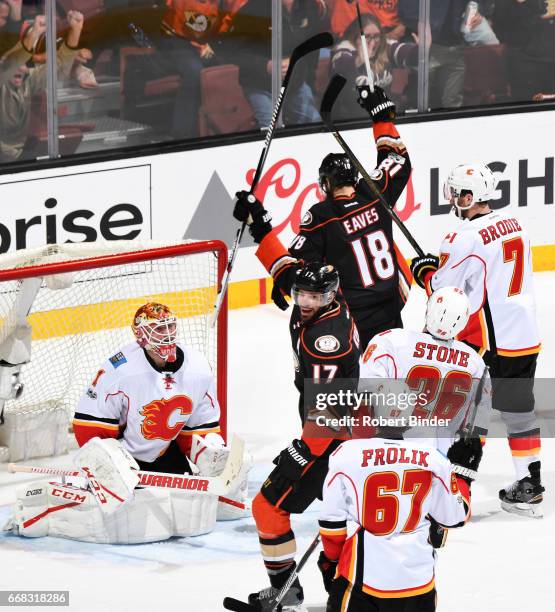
(51, 509)
(193, 513)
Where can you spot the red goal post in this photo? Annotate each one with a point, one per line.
(64, 309)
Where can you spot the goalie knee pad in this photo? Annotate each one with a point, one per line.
(193, 513)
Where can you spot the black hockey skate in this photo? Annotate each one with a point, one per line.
(524, 496)
(265, 600)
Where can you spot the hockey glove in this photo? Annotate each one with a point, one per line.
(376, 103)
(291, 463)
(249, 210)
(437, 536)
(328, 569)
(279, 300)
(465, 455)
(420, 266)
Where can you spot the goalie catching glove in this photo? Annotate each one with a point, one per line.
(249, 210)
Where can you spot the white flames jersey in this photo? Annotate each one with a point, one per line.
(148, 407)
(490, 259)
(378, 494)
(446, 371)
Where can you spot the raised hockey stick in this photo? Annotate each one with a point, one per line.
(214, 485)
(240, 606)
(319, 41)
(364, 45)
(330, 96)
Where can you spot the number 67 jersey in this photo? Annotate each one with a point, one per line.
(490, 259)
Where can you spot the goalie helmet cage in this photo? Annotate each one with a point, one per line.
(65, 309)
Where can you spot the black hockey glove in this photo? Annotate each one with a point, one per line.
(376, 103)
(420, 266)
(465, 455)
(437, 536)
(279, 300)
(291, 463)
(328, 568)
(249, 210)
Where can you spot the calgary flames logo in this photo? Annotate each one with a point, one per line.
(155, 425)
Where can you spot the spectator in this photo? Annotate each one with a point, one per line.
(190, 43)
(477, 28)
(446, 77)
(249, 46)
(528, 30)
(344, 12)
(384, 54)
(18, 84)
(10, 20)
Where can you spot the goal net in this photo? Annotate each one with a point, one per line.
(64, 309)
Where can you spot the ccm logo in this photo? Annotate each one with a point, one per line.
(68, 495)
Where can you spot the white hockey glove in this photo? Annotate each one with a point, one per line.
(110, 470)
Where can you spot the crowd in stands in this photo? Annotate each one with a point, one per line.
(193, 68)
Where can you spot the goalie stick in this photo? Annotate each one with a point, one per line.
(240, 606)
(330, 96)
(319, 41)
(214, 485)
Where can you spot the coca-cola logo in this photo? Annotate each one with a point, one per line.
(283, 190)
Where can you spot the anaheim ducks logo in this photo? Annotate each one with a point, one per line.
(156, 422)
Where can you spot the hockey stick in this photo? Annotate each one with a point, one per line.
(364, 50)
(319, 41)
(214, 485)
(468, 428)
(330, 96)
(240, 606)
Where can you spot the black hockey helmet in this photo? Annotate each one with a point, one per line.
(339, 170)
(316, 277)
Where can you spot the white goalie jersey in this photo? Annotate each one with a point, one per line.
(148, 409)
(489, 257)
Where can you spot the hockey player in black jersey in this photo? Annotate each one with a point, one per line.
(325, 347)
(349, 229)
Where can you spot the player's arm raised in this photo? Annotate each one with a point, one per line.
(393, 165)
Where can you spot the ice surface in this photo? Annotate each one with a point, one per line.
(497, 562)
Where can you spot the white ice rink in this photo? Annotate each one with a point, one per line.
(498, 562)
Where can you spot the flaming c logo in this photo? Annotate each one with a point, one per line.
(155, 425)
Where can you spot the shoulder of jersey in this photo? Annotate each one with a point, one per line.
(330, 336)
(316, 214)
(195, 362)
(121, 359)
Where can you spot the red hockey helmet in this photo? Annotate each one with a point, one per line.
(155, 326)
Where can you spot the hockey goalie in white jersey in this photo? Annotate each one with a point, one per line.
(381, 494)
(151, 406)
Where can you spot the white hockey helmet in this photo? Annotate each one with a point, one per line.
(476, 178)
(447, 312)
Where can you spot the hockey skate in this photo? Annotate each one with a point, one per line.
(265, 600)
(524, 496)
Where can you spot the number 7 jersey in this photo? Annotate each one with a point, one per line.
(490, 259)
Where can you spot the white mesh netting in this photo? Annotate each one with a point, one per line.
(74, 329)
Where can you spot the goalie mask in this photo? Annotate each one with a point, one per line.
(476, 179)
(336, 170)
(447, 312)
(155, 328)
